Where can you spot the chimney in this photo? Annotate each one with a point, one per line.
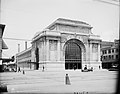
(18, 48)
(25, 45)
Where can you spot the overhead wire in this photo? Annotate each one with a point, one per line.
(17, 39)
(116, 0)
(103, 1)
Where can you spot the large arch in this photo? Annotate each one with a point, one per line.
(74, 54)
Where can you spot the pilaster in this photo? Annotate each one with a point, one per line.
(47, 50)
(90, 53)
(58, 50)
(99, 53)
(0, 47)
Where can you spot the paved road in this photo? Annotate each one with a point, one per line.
(53, 82)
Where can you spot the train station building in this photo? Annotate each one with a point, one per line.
(66, 45)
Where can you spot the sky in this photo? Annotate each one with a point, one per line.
(23, 18)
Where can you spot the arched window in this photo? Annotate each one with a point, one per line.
(72, 55)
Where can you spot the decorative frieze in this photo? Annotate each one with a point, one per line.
(73, 28)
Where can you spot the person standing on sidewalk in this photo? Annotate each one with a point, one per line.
(43, 68)
(19, 69)
(99, 66)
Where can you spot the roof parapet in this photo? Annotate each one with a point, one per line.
(69, 22)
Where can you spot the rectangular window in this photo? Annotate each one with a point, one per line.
(112, 56)
(106, 57)
(116, 56)
(109, 56)
(105, 52)
(109, 51)
(116, 50)
(112, 50)
(103, 57)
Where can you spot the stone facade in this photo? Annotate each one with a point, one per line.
(49, 45)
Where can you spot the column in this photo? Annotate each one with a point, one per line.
(47, 50)
(90, 53)
(0, 42)
(0, 50)
(99, 55)
(58, 50)
(0, 47)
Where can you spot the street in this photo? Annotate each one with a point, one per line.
(101, 81)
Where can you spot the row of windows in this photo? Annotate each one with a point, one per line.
(110, 57)
(110, 51)
(23, 56)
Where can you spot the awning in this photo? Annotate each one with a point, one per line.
(4, 46)
(2, 28)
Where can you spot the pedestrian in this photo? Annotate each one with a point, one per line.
(19, 69)
(91, 68)
(74, 67)
(99, 66)
(67, 80)
(85, 68)
(43, 68)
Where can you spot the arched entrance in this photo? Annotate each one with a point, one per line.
(73, 54)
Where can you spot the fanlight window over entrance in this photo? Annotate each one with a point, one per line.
(73, 55)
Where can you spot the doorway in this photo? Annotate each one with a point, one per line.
(73, 55)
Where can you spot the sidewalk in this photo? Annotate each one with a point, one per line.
(52, 82)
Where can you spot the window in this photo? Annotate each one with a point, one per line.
(105, 51)
(109, 56)
(112, 56)
(112, 50)
(116, 56)
(116, 50)
(104, 58)
(109, 51)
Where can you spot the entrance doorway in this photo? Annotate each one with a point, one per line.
(72, 55)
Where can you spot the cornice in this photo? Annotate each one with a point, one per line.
(69, 22)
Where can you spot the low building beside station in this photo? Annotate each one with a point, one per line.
(23, 60)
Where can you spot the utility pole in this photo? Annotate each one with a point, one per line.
(0, 11)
